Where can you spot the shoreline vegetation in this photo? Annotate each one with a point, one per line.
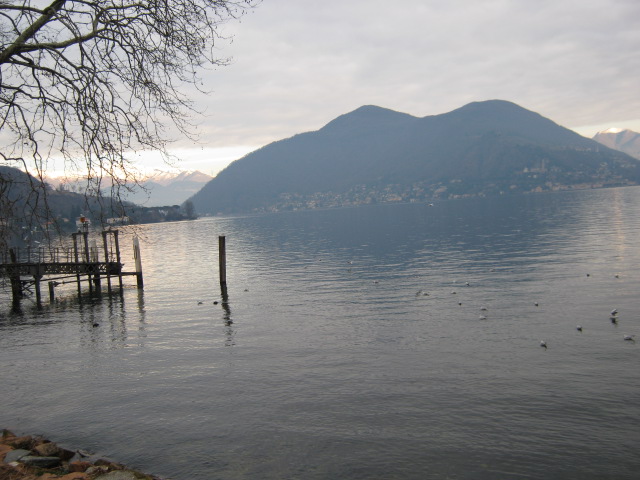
(36, 458)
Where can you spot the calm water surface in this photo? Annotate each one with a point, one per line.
(331, 362)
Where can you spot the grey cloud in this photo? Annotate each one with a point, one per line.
(297, 65)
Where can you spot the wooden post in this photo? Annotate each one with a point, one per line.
(106, 259)
(16, 288)
(52, 293)
(36, 281)
(75, 256)
(87, 258)
(117, 245)
(138, 259)
(93, 251)
(222, 263)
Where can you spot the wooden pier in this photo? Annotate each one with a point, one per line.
(83, 263)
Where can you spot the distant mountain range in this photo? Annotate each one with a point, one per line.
(165, 188)
(28, 206)
(24, 209)
(375, 155)
(158, 189)
(626, 141)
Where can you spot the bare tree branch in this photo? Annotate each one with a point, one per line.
(92, 82)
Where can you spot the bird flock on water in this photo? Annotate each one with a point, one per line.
(613, 316)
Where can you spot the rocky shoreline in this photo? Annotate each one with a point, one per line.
(36, 458)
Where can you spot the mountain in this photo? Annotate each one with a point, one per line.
(165, 188)
(28, 206)
(170, 178)
(378, 155)
(626, 141)
(158, 189)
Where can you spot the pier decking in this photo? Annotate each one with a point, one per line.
(82, 263)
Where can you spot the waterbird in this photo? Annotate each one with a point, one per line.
(543, 344)
(579, 328)
(614, 320)
(614, 311)
(482, 317)
(630, 338)
(484, 309)
(199, 303)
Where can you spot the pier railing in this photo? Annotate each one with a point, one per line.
(82, 260)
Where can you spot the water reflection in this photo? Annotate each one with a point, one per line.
(226, 316)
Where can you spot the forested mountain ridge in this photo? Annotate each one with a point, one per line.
(378, 155)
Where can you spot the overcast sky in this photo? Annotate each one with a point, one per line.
(298, 64)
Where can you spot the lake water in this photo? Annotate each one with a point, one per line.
(330, 362)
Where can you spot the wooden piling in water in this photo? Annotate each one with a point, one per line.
(222, 263)
(138, 259)
(87, 257)
(36, 282)
(106, 259)
(76, 258)
(16, 289)
(117, 244)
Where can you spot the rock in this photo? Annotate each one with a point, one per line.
(7, 472)
(74, 476)
(40, 462)
(25, 442)
(4, 449)
(47, 450)
(79, 466)
(15, 455)
(117, 475)
(93, 470)
(69, 476)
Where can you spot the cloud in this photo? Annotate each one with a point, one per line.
(298, 65)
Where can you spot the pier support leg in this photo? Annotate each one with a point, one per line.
(106, 260)
(87, 258)
(16, 288)
(117, 245)
(36, 279)
(138, 259)
(52, 292)
(77, 260)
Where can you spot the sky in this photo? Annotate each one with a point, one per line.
(297, 65)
